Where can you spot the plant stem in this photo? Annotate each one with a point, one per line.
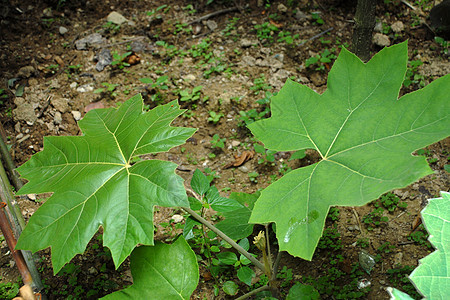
(18, 222)
(11, 241)
(275, 266)
(260, 289)
(13, 209)
(256, 262)
(17, 183)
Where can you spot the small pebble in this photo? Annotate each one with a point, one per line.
(76, 115)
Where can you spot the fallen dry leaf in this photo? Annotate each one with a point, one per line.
(240, 159)
(132, 59)
(277, 25)
(93, 105)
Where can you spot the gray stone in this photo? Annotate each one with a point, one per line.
(26, 72)
(398, 258)
(24, 111)
(60, 104)
(85, 88)
(91, 40)
(282, 8)
(248, 60)
(299, 15)
(189, 77)
(235, 143)
(57, 119)
(103, 58)
(116, 18)
(245, 43)
(398, 27)
(63, 30)
(378, 27)
(76, 115)
(381, 40)
(212, 25)
(243, 169)
(23, 138)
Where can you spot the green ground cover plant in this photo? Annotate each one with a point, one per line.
(363, 133)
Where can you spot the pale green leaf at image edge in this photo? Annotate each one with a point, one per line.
(432, 277)
(95, 183)
(364, 134)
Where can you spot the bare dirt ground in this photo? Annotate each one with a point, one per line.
(235, 65)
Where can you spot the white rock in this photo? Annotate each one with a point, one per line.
(398, 27)
(212, 25)
(245, 43)
(378, 27)
(76, 115)
(235, 143)
(116, 18)
(177, 218)
(381, 40)
(189, 77)
(73, 85)
(57, 119)
(282, 8)
(62, 30)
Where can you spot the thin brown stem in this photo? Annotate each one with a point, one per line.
(11, 241)
(9, 162)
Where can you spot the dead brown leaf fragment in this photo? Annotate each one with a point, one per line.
(240, 159)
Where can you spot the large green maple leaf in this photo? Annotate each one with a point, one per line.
(96, 183)
(364, 134)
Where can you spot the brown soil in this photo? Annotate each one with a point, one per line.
(30, 37)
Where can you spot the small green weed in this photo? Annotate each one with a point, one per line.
(390, 201)
(287, 37)
(260, 85)
(188, 96)
(412, 77)
(154, 88)
(217, 142)
(321, 61)
(317, 19)
(110, 27)
(443, 43)
(118, 59)
(109, 89)
(9, 290)
(265, 32)
(267, 156)
(214, 117)
(230, 29)
(253, 176)
(420, 237)
(398, 276)
(375, 218)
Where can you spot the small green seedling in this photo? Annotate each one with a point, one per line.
(217, 142)
(187, 96)
(265, 32)
(260, 85)
(322, 60)
(267, 155)
(109, 88)
(412, 76)
(317, 18)
(253, 176)
(118, 59)
(214, 117)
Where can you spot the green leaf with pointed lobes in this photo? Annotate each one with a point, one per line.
(364, 134)
(95, 183)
